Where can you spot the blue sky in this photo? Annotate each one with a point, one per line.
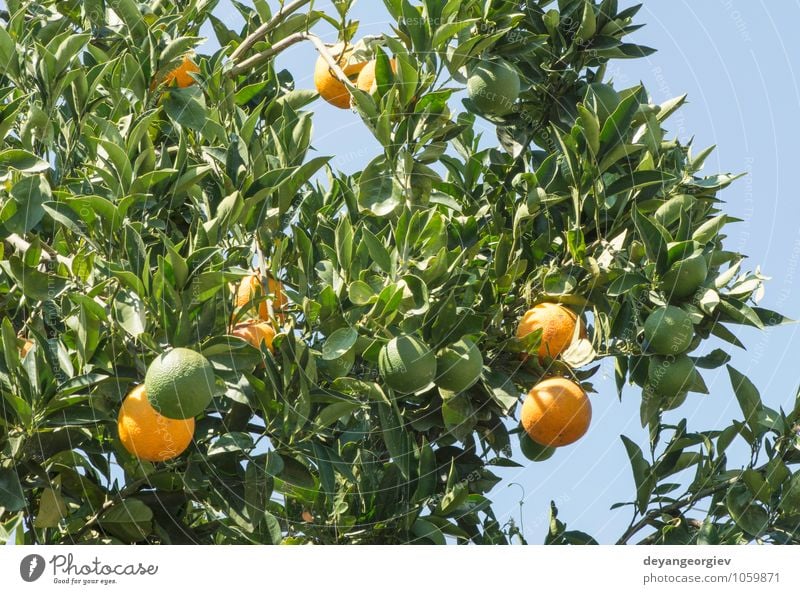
(733, 58)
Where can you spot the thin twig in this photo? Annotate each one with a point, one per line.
(286, 42)
(256, 59)
(673, 507)
(265, 28)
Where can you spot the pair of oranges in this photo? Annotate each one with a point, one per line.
(361, 74)
(556, 411)
(151, 436)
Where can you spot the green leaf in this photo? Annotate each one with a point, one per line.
(30, 193)
(758, 487)
(654, 238)
(235, 442)
(447, 31)
(638, 180)
(130, 313)
(642, 474)
(9, 60)
(186, 106)
(710, 229)
(458, 415)
(344, 243)
(395, 438)
(36, 285)
(670, 211)
(748, 397)
(708, 301)
(128, 11)
(338, 343)
(427, 531)
(749, 516)
(625, 282)
(739, 312)
(501, 389)
(576, 537)
(360, 293)
(333, 412)
(771, 318)
(588, 25)
(92, 208)
(426, 473)
(722, 332)
(11, 496)
(21, 160)
(669, 107)
(377, 250)
(714, 359)
(591, 128)
(618, 125)
(52, 509)
(378, 191)
(384, 75)
(576, 244)
(790, 499)
(130, 520)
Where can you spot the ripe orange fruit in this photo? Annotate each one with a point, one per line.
(557, 324)
(25, 348)
(556, 412)
(328, 86)
(366, 78)
(149, 435)
(251, 287)
(255, 333)
(180, 77)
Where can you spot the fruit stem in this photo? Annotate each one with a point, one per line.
(265, 28)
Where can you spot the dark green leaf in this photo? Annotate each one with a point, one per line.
(748, 397)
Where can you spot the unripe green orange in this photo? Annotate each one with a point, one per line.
(684, 277)
(670, 376)
(407, 364)
(493, 87)
(459, 366)
(668, 331)
(180, 383)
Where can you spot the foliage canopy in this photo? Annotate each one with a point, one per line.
(130, 210)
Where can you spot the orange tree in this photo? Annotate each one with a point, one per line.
(366, 390)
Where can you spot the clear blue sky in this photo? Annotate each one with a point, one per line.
(733, 58)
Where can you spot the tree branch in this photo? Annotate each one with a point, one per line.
(48, 253)
(673, 507)
(265, 28)
(286, 42)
